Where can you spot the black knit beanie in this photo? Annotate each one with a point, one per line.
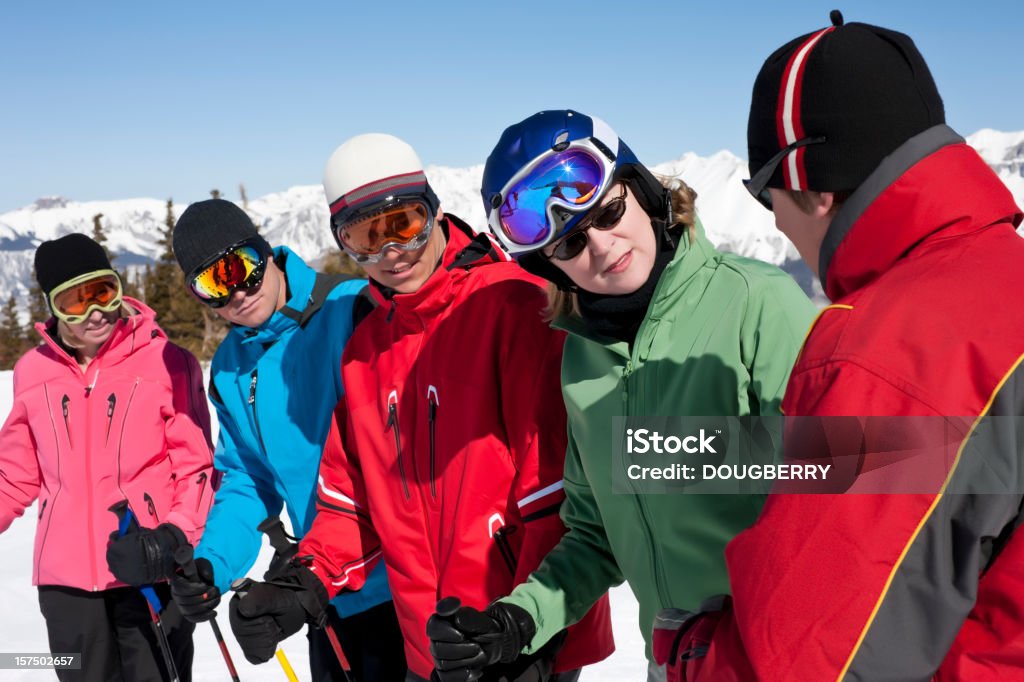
(866, 89)
(61, 260)
(208, 228)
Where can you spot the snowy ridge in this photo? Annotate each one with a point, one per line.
(1004, 152)
(298, 216)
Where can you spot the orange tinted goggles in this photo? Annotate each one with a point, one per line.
(240, 267)
(74, 300)
(406, 225)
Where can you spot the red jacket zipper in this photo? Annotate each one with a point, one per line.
(392, 424)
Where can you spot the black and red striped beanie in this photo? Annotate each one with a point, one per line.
(864, 88)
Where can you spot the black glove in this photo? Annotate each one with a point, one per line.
(272, 611)
(197, 597)
(143, 556)
(463, 640)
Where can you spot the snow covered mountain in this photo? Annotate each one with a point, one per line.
(298, 216)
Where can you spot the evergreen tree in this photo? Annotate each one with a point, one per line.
(38, 311)
(98, 235)
(12, 337)
(188, 322)
(160, 274)
(339, 262)
(143, 284)
(132, 285)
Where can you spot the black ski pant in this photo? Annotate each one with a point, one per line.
(371, 640)
(112, 631)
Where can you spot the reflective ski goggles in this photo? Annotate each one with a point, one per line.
(603, 217)
(758, 185)
(405, 224)
(240, 266)
(74, 300)
(538, 202)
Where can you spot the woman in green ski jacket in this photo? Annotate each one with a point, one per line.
(660, 324)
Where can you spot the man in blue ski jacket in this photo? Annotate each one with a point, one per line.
(274, 382)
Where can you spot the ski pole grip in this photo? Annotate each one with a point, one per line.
(448, 606)
(126, 520)
(274, 528)
(241, 586)
(184, 556)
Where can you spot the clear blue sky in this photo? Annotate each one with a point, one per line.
(102, 100)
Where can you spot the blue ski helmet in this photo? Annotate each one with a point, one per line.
(549, 170)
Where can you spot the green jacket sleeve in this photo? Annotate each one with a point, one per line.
(776, 322)
(578, 570)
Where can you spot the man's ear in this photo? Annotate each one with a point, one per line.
(824, 204)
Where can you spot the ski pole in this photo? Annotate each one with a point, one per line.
(241, 586)
(286, 666)
(274, 529)
(126, 521)
(184, 556)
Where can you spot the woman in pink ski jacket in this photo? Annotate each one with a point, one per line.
(105, 410)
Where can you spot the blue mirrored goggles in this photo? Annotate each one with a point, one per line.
(537, 204)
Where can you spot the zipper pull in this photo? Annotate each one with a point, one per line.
(150, 506)
(252, 389)
(391, 313)
(95, 378)
(201, 482)
(432, 402)
(64, 410)
(625, 386)
(392, 412)
(111, 401)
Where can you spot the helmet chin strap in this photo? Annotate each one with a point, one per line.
(654, 197)
(536, 264)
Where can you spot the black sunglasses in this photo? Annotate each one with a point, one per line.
(603, 217)
(758, 185)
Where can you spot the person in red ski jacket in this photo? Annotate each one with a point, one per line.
(445, 456)
(106, 409)
(913, 238)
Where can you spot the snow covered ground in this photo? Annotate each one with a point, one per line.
(22, 628)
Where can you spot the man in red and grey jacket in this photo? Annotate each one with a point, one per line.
(445, 456)
(913, 238)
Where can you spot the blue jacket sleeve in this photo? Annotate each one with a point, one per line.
(246, 497)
